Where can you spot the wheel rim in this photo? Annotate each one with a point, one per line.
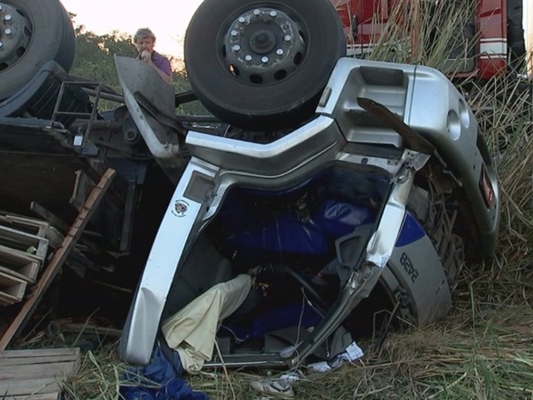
(262, 46)
(15, 35)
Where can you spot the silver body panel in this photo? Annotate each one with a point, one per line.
(341, 135)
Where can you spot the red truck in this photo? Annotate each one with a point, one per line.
(493, 27)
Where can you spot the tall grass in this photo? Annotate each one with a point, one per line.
(484, 348)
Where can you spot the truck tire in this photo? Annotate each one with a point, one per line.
(38, 98)
(515, 35)
(262, 65)
(39, 31)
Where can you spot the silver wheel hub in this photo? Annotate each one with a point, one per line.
(15, 35)
(263, 46)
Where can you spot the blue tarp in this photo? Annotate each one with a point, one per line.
(287, 232)
(161, 379)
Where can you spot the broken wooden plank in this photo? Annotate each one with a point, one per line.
(29, 225)
(41, 396)
(82, 186)
(38, 371)
(31, 355)
(33, 226)
(11, 289)
(13, 361)
(16, 275)
(23, 241)
(33, 386)
(52, 218)
(7, 300)
(60, 256)
(20, 262)
(62, 226)
(26, 373)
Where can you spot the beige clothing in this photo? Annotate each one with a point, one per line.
(192, 331)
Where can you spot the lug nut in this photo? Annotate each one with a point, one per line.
(1, 45)
(234, 33)
(8, 17)
(257, 12)
(279, 52)
(264, 59)
(287, 38)
(248, 57)
(273, 13)
(8, 31)
(241, 20)
(236, 48)
(1, 8)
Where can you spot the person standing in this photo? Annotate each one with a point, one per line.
(145, 42)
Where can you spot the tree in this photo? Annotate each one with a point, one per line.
(94, 55)
(94, 61)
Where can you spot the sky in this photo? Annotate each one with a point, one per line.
(166, 18)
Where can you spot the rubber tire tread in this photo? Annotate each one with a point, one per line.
(269, 107)
(53, 39)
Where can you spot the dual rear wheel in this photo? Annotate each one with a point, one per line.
(262, 65)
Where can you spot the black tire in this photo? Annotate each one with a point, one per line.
(260, 95)
(46, 35)
(38, 98)
(515, 35)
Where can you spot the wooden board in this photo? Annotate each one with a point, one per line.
(20, 262)
(36, 354)
(33, 226)
(41, 396)
(37, 371)
(16, 275)
(22, 241)
(59, 257)
(30, 386)
(11, 289)
(28, 225)
(26, 373)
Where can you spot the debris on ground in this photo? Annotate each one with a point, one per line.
(37, 374)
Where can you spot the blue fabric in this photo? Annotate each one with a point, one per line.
(285, 233)
(272, 319)
(158, 380)
(288, 233)
(338, 218)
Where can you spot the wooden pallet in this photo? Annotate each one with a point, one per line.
(29, 225)
(24, 246)
(36, 374)
(11, 288)
(60, 255)
(32, 226)
(33, 245)
(22, 264)
(18, 268)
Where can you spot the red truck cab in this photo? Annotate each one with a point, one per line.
(495, 29)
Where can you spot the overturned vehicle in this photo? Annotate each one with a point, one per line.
(339, 195)
(325, 196)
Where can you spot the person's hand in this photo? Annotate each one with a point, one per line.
(146, 56)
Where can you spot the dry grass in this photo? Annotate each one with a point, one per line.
(484, 348)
